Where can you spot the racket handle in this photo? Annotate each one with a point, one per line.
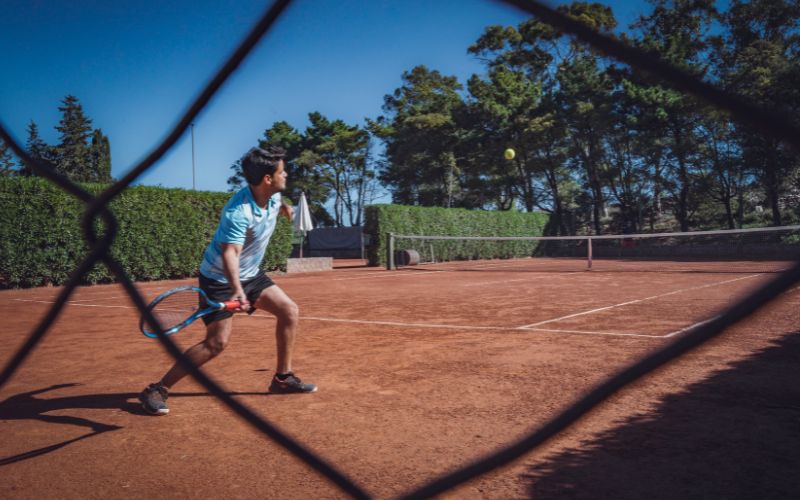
(231, 305)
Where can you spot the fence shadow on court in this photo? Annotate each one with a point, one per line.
(27, 406)
(733, 435)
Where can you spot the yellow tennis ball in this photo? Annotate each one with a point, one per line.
(509, 154)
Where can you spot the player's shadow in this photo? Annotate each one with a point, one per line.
(26, 406)
(734, 435)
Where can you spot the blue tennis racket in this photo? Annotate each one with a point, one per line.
(178, 308)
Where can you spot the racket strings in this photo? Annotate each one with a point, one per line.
(175, 309)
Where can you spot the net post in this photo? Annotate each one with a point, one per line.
(390, 257)
(589, 251)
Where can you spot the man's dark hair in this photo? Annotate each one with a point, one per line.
(259, 162)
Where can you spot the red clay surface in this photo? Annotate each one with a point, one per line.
(419, 371)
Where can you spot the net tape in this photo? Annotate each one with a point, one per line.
(769, 122)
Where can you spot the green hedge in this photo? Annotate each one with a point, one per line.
(162, 233)
(428, 221)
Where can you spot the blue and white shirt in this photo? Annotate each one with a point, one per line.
(245, 223)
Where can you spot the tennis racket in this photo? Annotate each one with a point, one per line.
(177, 308)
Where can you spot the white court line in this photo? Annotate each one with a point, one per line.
(401, 324)
(677, 332)
(638, 300)
(70, 303)
(362, 275)
(75, 301)
(472, 327)
(562, 274)
(481, 283)
(502, 265)
(389, 275)
(103, 298)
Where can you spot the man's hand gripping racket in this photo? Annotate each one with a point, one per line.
(178, 308)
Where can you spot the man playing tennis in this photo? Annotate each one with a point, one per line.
(231, 271)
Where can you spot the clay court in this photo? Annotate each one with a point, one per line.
(420, 370)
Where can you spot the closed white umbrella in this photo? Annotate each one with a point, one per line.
(302, 220)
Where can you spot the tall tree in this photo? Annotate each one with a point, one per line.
(7, 165)
(676, 30)
(99, 158)
(542, 127)
(726, 171)
(758, 58)
(584, 98)
(632, 172)
(549, 150)
(366, 184)
(421, 132)
(37, 149)
(503, 112)
(585, 102)
(236, 180)
(73, 149)
(510, 105)
(340, 152)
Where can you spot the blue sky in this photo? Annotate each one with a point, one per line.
(136, 67)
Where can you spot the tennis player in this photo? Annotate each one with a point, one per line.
(231, 271)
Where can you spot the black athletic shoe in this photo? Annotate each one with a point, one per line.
(289, 385)
(154, 399)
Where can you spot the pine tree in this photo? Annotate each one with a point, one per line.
(73, 151)
(38, 150)
(236, 181)
(100, 158)
(6, 160)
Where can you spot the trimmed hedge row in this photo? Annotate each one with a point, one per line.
(162, 233)
(428, 221)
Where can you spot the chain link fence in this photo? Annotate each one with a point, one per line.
(770, 122)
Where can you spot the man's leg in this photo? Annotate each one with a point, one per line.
(217, 335)
(154, 397)
(275, 301)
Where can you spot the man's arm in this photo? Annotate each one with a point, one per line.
(230, 263)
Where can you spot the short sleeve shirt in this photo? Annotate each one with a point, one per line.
(244, 223)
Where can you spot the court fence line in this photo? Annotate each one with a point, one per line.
(771, 123)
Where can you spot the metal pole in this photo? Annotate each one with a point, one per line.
(390, 250)
(194, 188)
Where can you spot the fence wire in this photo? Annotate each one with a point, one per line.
(770, 122)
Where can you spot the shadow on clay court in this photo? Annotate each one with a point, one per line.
(25, 406)
(733, 435)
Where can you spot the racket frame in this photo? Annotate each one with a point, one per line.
(213, 306)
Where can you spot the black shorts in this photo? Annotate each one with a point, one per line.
(219, 291)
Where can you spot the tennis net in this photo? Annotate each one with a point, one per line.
(769, 249)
